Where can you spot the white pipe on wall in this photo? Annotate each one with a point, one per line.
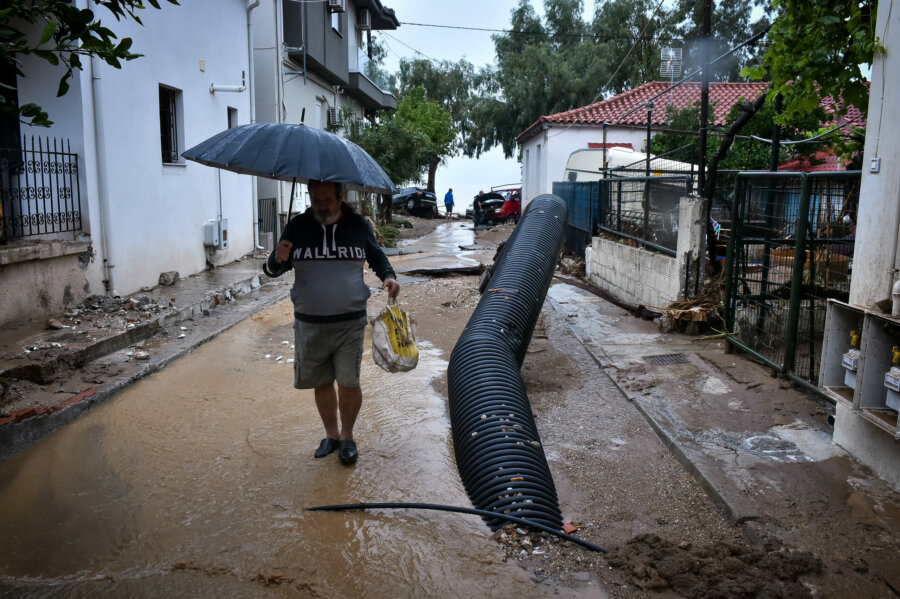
(254, 192)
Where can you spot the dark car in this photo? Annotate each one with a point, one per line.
(416, 201)
(499, 206)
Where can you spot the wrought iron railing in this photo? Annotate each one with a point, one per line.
(39, 189)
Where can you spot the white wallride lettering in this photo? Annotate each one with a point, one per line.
(340, 253)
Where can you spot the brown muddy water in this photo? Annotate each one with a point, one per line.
(192, 483)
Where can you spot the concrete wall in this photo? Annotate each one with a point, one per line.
(38, 279)
(545, 155)
(638, 276)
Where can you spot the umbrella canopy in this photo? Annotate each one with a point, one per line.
(292, 153)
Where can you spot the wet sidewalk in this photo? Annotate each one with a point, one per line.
(52, 371)
(761, 448)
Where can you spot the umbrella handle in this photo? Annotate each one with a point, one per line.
(291, 202)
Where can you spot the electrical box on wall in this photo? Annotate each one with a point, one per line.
(223, 234)
(215, 234)
(211, 234)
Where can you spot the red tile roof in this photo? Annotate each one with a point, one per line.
(825, 161)
(722, 96)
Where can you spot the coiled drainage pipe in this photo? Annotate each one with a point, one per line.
(497, 446)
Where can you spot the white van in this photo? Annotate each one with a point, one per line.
(587, 165)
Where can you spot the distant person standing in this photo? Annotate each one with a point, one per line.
(448, 203)
(478, 210)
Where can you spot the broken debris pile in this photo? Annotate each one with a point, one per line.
(701, 309)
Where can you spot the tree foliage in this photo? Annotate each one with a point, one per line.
(561, 63)
(817, 49)
(67, 35)
(406, 141)
(680, 141)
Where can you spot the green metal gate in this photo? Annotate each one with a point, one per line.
(790, 250)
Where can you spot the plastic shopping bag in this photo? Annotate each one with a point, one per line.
(393, 343)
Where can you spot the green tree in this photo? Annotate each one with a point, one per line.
(405, 142)
(454, 86)
(731, 23)
(819, 49)
(67, 35)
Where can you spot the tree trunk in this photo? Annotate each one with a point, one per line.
(432, 169)
(384, 209)
(747, 113)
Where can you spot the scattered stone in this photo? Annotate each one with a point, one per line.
(569, 528)
(141, 355)
(55, 325)
(168, 278)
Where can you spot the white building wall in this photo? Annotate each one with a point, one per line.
(875, 260)
(157, 211)
(556, 144)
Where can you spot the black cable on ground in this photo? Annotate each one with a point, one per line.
(462, 510)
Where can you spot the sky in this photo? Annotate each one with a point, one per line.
(466, 176)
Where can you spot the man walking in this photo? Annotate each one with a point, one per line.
(448, 203)
(327, 246)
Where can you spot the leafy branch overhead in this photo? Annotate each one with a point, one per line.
(820, 49)
(67, 34)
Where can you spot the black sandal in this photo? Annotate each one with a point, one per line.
(348, 452)
(327, 446)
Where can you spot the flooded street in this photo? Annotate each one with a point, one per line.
(193, 483)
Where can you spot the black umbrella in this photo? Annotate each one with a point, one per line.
(292, 153)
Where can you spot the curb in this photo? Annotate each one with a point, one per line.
(22, 428)
(732, 513)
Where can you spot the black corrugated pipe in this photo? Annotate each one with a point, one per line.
(497, 446)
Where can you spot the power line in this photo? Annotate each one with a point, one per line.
(410, 47)
(544, 33)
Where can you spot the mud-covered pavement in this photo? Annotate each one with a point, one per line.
(193, 483)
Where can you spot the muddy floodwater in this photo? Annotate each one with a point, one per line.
(194, 481)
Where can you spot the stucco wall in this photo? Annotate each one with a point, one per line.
(156, 211)
(41, 279)
(638, 276)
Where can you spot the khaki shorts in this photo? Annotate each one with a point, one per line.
(327, 352)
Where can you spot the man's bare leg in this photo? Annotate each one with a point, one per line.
(327, 404)
(350, 400)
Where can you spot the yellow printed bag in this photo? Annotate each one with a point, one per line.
(393, 342)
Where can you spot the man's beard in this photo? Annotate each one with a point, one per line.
(327, 218)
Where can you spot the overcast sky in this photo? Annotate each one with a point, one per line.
(465, 176)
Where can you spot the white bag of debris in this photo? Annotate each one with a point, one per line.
(393, 342)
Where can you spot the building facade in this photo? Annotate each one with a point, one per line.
(135, 207)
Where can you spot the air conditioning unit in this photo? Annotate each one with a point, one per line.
(337, 5)
(364, 19)
(334, 116)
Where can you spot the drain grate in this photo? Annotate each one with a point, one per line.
(666, 359)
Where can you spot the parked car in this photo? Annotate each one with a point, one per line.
(416, 201)
(499, 206)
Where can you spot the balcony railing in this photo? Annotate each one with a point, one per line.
(39, 189)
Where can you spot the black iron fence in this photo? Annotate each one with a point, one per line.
(790, 250)
(267, 220)
(643, 210)
(39, 189)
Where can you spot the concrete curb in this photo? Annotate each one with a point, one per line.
(731, 512)
(15, 436)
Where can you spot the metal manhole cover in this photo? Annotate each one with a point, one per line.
(666, 359)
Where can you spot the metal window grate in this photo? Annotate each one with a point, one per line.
(666, 359)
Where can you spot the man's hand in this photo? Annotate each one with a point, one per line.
(392, 286)
(283, 251)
